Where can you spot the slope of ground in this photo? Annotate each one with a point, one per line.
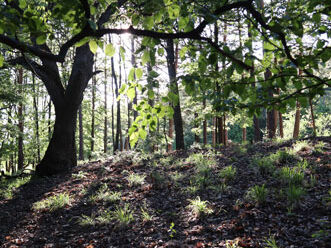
(262, 195)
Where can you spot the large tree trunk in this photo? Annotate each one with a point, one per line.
(60, 155)
(20, 158)
(81, 134)
(178, 122)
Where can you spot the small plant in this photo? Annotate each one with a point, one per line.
(232, 244)
(80, 175)
(257, 194)
(303, 165)
(145, 215)
(291, 176)
(300, 145)
(53, 203)
(265, 165)
(191, 190)
(199, 207)
(319, 147)
(283, 156)
(271, 242)
(312, 180)
(158, 179)
(105, 217)
(240, 150)
(177, 176)
(104, 194)
(136, 179)
(294, 195)
(123, 215)
(172, 230)
(228, 173)
(85, 220)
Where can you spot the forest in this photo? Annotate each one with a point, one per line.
(171, 123)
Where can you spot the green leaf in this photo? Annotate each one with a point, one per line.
(131, 75)
(150, 94)
(93, 46)
(145, 58)
(134, 138)
(139, 73)
(149, 22)
(142, 133)
(173, 11)
(82, 42)
(22, 4)
(131, 93)
(1, 60)
(110, 50)
(41, 39)
(160, 51)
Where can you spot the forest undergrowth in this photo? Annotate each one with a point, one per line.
(254, 195)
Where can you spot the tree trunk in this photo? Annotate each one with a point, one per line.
(214, 132)
(36, 115)
(170, 134)
(20, 158)
(105, 124)
(296, 130)
(178, 122)
(312, 116)
(61, 155)
(204, 125)
(281, 128)
(81, 134)
(297, 121)
(93, 116)
(196, 125)
(244, 134)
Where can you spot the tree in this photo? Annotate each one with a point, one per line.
(29, 27)
(173, 86)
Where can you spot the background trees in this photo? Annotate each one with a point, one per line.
(220, 67)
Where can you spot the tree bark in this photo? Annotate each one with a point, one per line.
(204, 125)
(296, 130)
(196, 125)
(81, 134)
(105, 125)
(244, 134)
(281, 128)
(60, 155)
(178, 122)
(93, 116)
(36, 115)
(312, 116)
(20, 125)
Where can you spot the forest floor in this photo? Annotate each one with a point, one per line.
(261, 195)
